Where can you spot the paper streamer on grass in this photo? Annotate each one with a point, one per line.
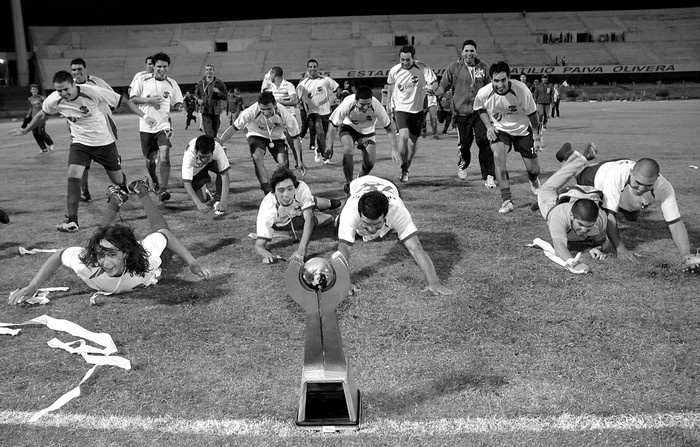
(33, 251)
(41, 296)
(549, 252)
(91, 354)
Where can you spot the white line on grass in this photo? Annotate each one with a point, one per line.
(270, 427)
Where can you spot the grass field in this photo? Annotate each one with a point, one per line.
(523, 353)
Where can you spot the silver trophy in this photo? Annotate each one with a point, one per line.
(329, 397)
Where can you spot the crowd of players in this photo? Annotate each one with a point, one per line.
(487, 106)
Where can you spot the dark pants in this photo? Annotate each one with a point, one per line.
(470, 127)
(41, 137)
(190, 117)
(555, 109)
(211, 124)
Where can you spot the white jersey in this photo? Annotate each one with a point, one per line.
(255, 123)
(168, 90)
(190, 167)
(612, 177)
(398, 218)
(364, 122)
(284, 92)
(408, 93)
(317, 94)
(95, 81)
(97, 279)
(138, 76)
(508, 112)
(273, 214)
(88, 121)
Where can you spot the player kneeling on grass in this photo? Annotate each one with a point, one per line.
(374, 209)
(114, 261)
(290, 206)
(573, 215)
(204, 155)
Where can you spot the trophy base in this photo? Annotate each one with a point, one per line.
(325, 407)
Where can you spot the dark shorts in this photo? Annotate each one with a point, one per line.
(411, 121)
(524, 145)
(361, 139)
(297, 223)
(255, 142)
(202, 177)
(151, 142)
(108, 156)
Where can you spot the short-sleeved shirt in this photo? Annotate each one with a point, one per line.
(317, 94)
(284, 91)
(559, 223)
(272, 128)
(190, 168)
(138, 76)
(89, 123)
(364, 122)
(398, 218)
(96, 81)
(408, 94)
(97, 279)
(168, 89)
(35, 103)
(271, 213)
(612, 177)
(509, 112)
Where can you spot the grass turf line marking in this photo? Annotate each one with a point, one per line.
(251, 427)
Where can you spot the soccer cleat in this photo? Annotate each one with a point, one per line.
(404, 177)
(462, 170)
(85, 196)
(163, 195)
(4, 218)
(206, 194)
(317, 157)
(591, 151)
(50, 147)
(138, 183)
(490, 182)
(116, 193)
(534, 186)
(564, 152)
(327, 161)
(68, 227)
(506, 207)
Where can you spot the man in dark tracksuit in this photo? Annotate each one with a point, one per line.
(464, 78)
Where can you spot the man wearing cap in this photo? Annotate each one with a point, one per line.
(628, 188)
(542, 94)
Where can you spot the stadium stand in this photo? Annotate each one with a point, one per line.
(243, 51)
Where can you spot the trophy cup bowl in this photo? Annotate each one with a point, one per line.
(318, 274)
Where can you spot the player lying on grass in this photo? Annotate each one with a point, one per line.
(628, 188)
(290, 206)
(373, 210)
(114, 261)
(573, 214)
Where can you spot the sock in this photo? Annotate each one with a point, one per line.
(505, 194)
(532, 177)
(73, 198)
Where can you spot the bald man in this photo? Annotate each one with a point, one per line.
(628, 187)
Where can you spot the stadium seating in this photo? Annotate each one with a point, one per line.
(244, 50)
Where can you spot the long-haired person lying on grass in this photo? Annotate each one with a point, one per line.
(114, 260)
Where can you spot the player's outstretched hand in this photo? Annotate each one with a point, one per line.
(20, 295)
(17, 131)
(626, 255)
(597, 253)
(437, 289)
(692, 264)
(200, 270)
(203, 208)
(353, 290)
(273, 259)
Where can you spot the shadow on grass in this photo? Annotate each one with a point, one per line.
(206, 249)
(453, 382)
(442, 247)
(175, 291)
